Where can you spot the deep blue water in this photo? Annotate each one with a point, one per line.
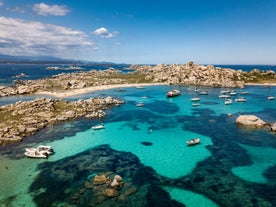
(249, 67)
(233, 166)
(36, 71)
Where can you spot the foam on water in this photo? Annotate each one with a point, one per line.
(262, 158)
(189, 198)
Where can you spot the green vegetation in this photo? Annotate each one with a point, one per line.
(257, 77)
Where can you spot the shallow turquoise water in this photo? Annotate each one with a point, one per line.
(156, 134)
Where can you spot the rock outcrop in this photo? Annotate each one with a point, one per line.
(22, 119)
(273, 127)
(193, 74)
(110, 189)
(186, 74)
(251, 121)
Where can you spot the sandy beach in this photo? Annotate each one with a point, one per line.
(80, 91)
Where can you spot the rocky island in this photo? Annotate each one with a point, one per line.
(186, 74)
(26, 118)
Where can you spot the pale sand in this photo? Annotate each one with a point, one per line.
(75, 92)
(260, 84)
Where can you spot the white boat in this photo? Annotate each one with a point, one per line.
(97, 127)
(203, 92)
(241, 99)
(36, 154)
(228, 101)
(192, 142)
(41, 149)
(140, 104)
(140, 87)
(195, 99)
(271, 97)
(233, 93)
(173, 93)
(196, 104)
(226, 91)
(224, 96)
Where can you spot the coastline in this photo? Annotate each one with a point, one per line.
(260, 84)
(80, 91)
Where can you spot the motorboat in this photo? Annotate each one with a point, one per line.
(173, 93)
(228, 101)
(195, 99)
(192, 142)
(140, 104)
(271, 97)
(226, 91)
(195, 104)
(98, 126)
(224, 96)
(244, 92)
(233, 93)
(140, 87)
(41, 149)
(203, 92)
(241, 99)
(36, 154)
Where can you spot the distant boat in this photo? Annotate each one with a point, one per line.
(244, 92)
(271, 97)
(98, 126)
(203, 92)
(241, 99)
(195, 104)
(140, 104)
(140, 87)
(228, 101)
(192, 142)
(226, 91)
(233, 93)
(195, 99)
(224, 96)
(173, 93)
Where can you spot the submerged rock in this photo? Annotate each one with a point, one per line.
(110, 192)
(99, 180)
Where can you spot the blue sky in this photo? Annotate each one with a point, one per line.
(141, 31)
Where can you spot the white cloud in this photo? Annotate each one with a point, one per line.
(45, 9)
(19, 37)
(104, 33)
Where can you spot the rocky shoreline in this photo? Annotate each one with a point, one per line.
(186, 74)
(26, 118)
(22, 119)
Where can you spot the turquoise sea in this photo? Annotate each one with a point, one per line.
(146, 146)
